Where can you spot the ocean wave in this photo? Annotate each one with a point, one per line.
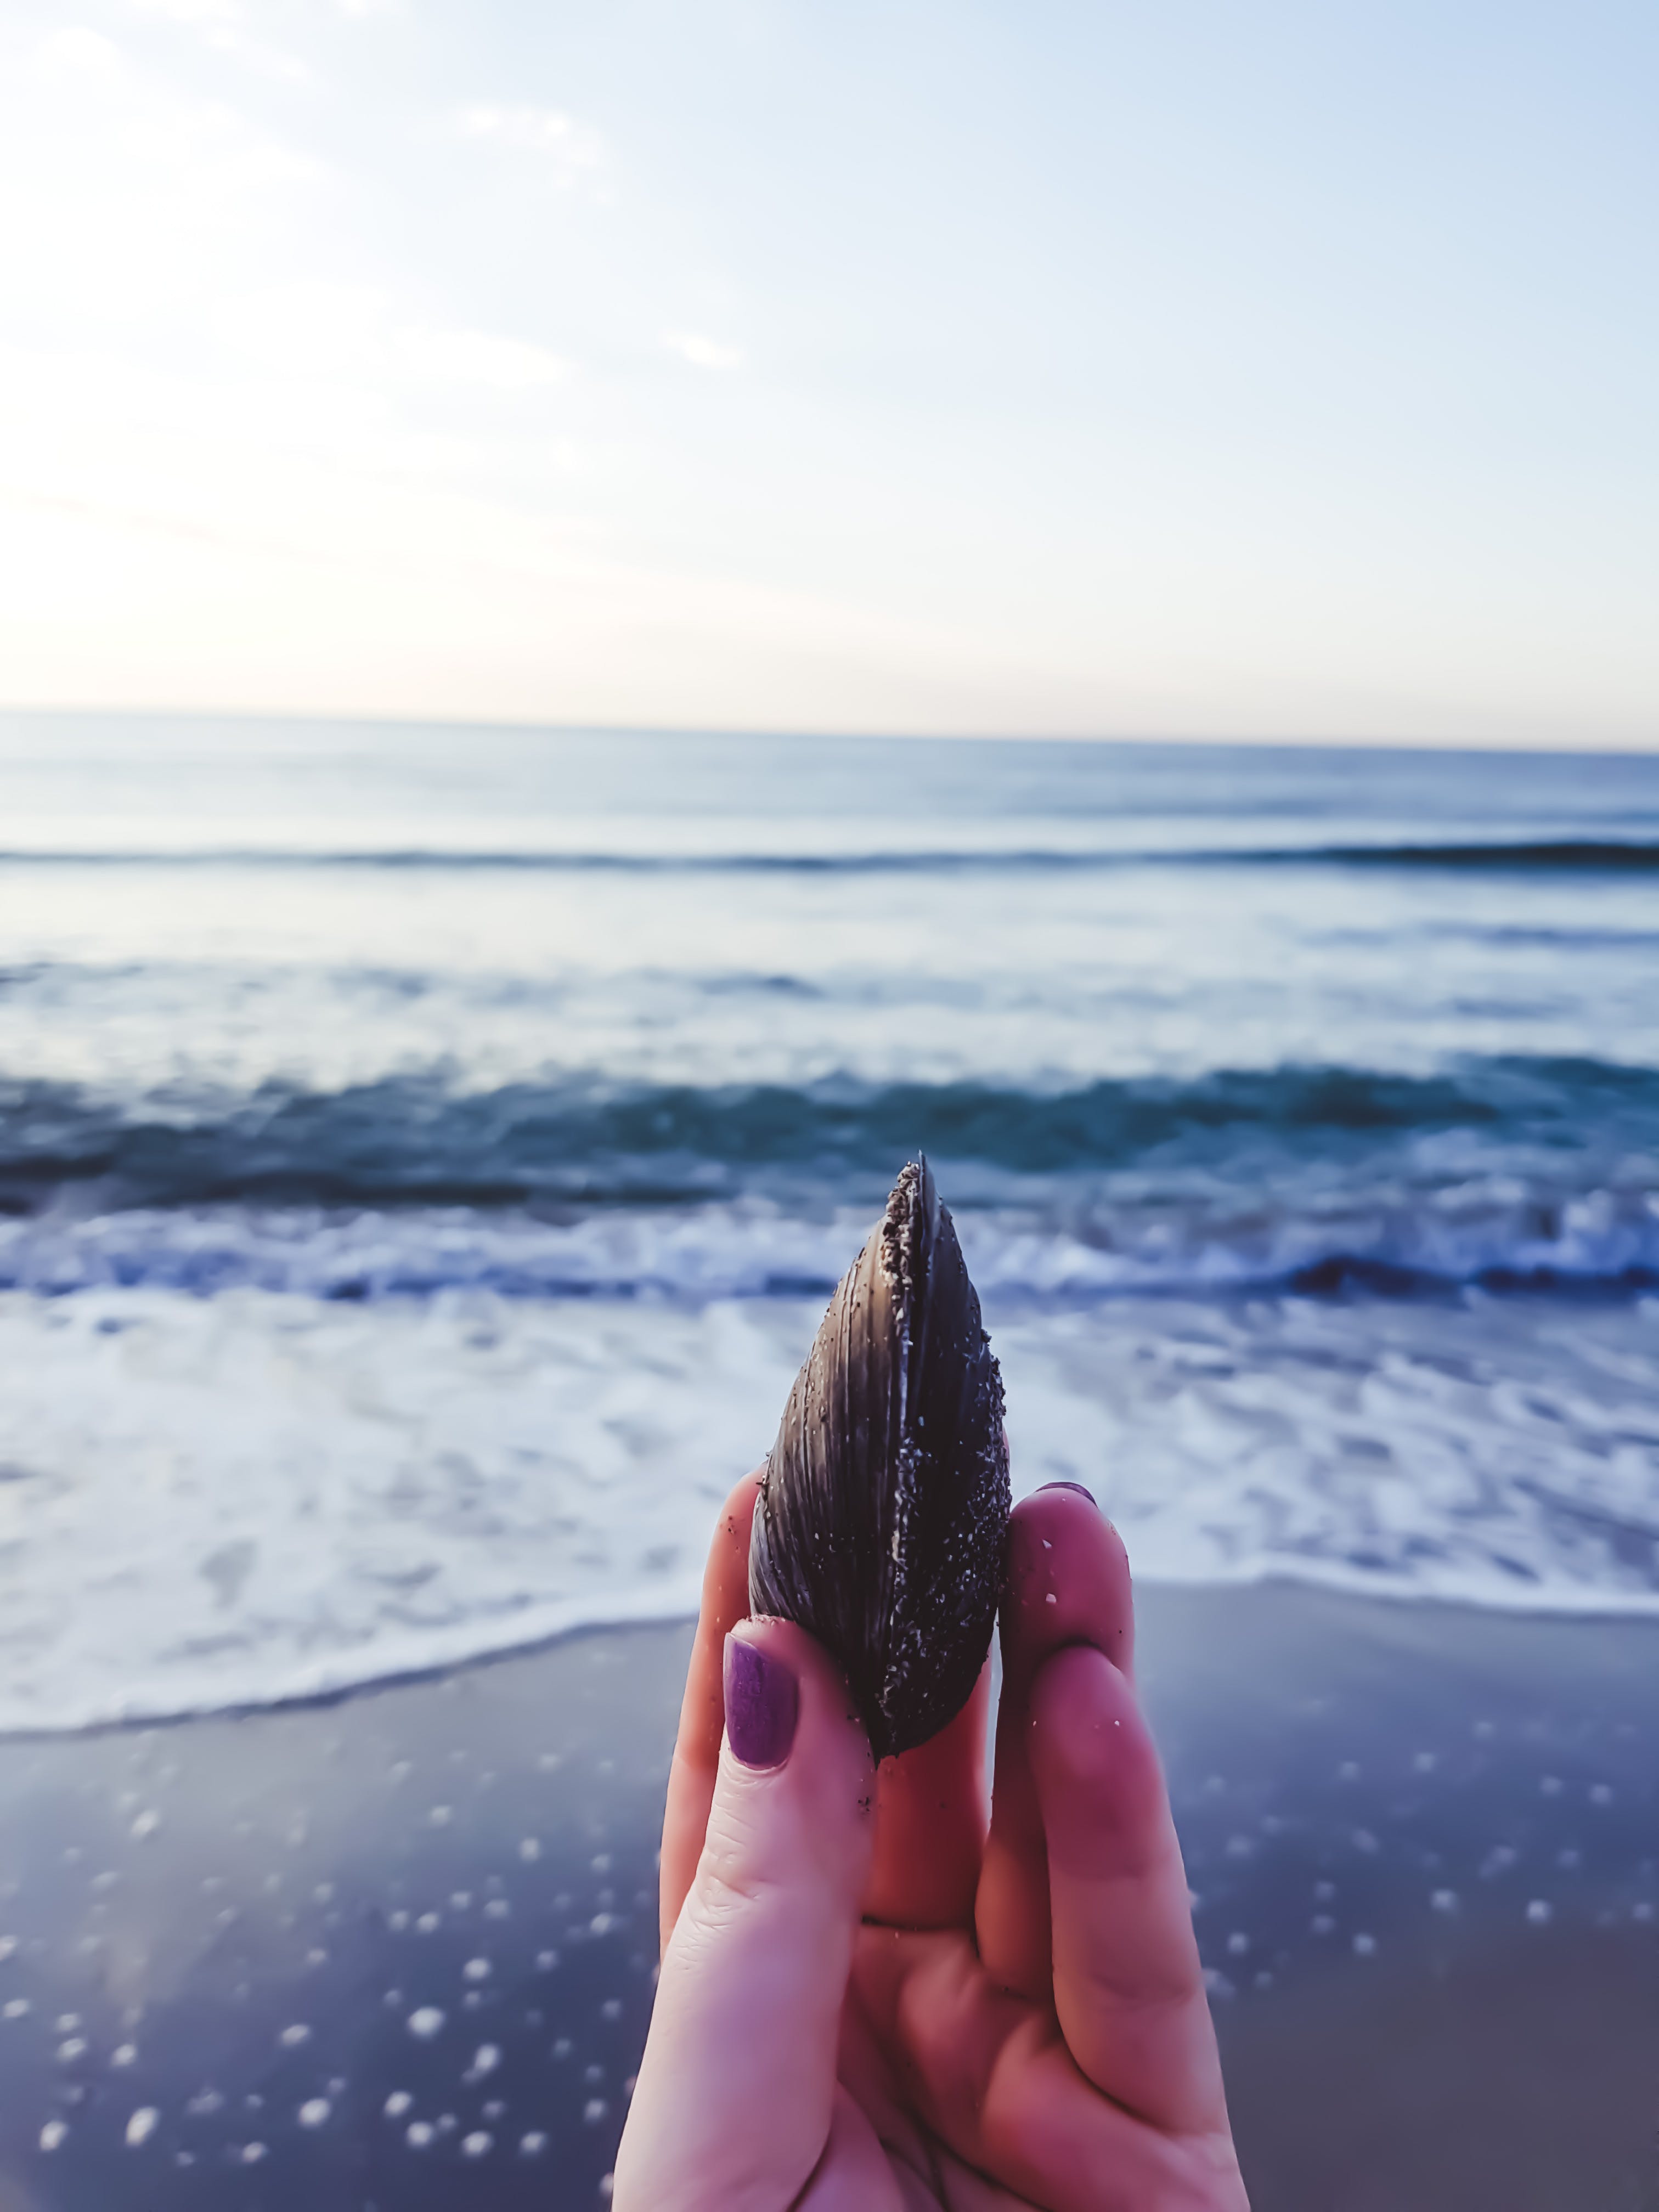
(1475, 1234)
(1597, 855)
(1530, 854)
(577, 1141)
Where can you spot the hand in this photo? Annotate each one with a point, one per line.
(872, 2001)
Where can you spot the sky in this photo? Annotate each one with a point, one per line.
(1280, 371)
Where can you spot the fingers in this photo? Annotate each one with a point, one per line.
(1128, 1989)
(736, 2092)
(1082, 1894)
(1068, 1582)
(930, 1824)
(931, 1808)
(991, 2076)
(702, 1716)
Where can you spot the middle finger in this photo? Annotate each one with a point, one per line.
(1068, 1582)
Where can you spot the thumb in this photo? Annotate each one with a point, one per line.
(732, 2106)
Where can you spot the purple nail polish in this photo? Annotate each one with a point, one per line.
(1077, 1487)
(762, 1704)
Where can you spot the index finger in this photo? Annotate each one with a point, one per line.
(702, 1710)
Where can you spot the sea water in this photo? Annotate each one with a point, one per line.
(425, 1154)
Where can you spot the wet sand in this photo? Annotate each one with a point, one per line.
(397, 1951)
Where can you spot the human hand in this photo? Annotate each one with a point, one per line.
(870, 1998)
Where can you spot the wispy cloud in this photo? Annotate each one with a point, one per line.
(352, 335)
(77, 48)
(199, 15)
(704, 353)
(482, 358)
(223, 25)
(573, 149)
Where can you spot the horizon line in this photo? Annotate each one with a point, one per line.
(1601, 748)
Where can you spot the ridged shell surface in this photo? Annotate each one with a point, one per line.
(882, 1523)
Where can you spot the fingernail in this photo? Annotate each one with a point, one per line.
(762, 1704)
(1077, 1487)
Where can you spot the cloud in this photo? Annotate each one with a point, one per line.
(573, 149)
(76, 48)
(478, 357)
(199, 15)
(702, 352)
(350, 335)
(222, 25)
(145, 202)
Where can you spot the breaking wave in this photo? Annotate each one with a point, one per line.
(1502, 1174)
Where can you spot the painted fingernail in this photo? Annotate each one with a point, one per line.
(1077, 1487)
(762, 1704)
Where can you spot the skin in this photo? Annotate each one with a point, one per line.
(878, 1995)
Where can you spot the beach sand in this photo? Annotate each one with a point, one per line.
(396, 1951)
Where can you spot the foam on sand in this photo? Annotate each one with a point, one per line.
(207, 1503)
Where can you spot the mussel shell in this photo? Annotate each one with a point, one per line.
(882, 1523)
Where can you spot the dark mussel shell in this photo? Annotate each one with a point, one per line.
(882, 1523)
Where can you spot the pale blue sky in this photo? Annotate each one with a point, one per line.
(1272, 370)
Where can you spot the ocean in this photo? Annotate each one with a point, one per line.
(425, 1154)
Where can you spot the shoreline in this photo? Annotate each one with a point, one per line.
(268, 1929)
(1588, 1608)
(342, 1491)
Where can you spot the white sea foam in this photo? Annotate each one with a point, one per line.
(213, 1503)
(1129, 1233)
